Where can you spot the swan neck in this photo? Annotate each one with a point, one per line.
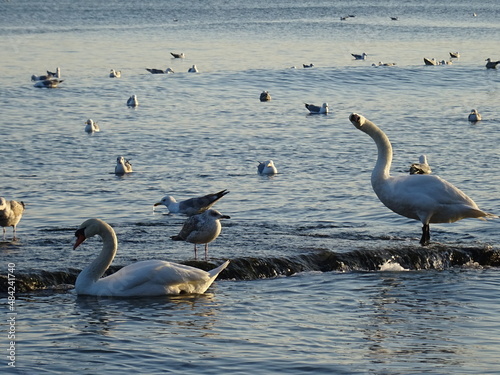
(96, 269)
(384, 159)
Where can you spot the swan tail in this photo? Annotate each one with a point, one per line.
(487, 215)
(215, 272)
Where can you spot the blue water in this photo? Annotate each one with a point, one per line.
(382, 310)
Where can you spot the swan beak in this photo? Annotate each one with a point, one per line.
(80, 237)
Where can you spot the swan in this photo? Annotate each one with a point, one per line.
(115, 74)
(314, 109)
(474, 116)
(201, 229)
(11, 213)
(141, 279)
(422, 167)
(133, 101)
(91, 126)
(191, 206)
(122, 166)
(426, 198)
(265, 96)
(267, 167)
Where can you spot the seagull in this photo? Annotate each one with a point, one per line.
(265, 96)
(132, 101)
(422, 167)
(114, 74)
(122, 166)
(91, 126)
(474, 116)
(432, 61)
(454, 55)
(159, 71)
(56, 74)
(267, 168)
(201, 229)
(50, 83)
(427, 198)
(178, 55)
(491, 64)
(314, 109)
(10, 215)
(359, 57)
(193, 69)
(308, 65)
(191, 206)
(394, 18)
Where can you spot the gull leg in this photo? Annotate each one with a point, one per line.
(195, 253)
(206, 251)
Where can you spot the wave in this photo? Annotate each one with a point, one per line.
(363, 260)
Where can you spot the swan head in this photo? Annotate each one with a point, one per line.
(166, 200)
(357, 120)
(87, 229)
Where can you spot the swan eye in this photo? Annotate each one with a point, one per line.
(80, 232)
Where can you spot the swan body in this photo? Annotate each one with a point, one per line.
(201, 229)
(474, 116)
(427, 198)
(422, 167)
(265, 96)
(141, 279)
(314, 109)
(115, 74)
(91, 126)
(122, 166)
(193, 69)
(11, 213)
(267, 168)
(133, 101)
(191, 206)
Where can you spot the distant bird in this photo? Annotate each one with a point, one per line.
(394, 18)
(91, 126)
(314, 109)
(474, 116)
(380, 63)
(444, 62)
(426, 198)
(201, 229)
(159, 71)
(193, 69)
(56, 74)
(422, 167)
(454, 55)
(191, 206)
(491, 64)
(178, 55)
(11, 213)
(50, 83)
(133, 101)
(123, 166)
(265, 96)
(266, 168)
(432, 61)
(115, 74)
(308, 65)
(359, 57)
(49, 75)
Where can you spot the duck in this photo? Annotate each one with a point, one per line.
(133, 101)
(314, 109)
(159, 71)
(422, 167)
(267, 168)
(123, 166)
(193, 69)
(50, 83)
(201, 229)
(91, 126)
(178, 55)
(191, 206)
(423, 197)
(11, 213)
(491, 64)
(359, 56)
(115, 74)
(147, 278)
(265, 96)
(474, 116)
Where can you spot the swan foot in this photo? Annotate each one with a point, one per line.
(426, 235)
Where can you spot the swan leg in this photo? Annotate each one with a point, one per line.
(426, 235)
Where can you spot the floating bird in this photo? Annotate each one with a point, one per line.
(308, 65)
(11, 213)
(201, 229)
(50, 83)
(91, 126)
(115, 74)
(314, 109)
(267, 168)
(444, 62)
(178, 55)
(191, 206)
(133, 101)
(422, 167)
(454, 55)
(56, 74)
(432, 61)
(474, 116)
(122, 166)
(141, 279)
(380, 63)
(359, 57)
(159, 71)
(395, 18)
(426, 198)
(491, 64)
(265, 96)
(193, 69)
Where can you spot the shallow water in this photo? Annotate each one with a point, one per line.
(194, 134)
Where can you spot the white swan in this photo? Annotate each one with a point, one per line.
(122, 166)
(422, 167)
(11, 213)
(267, 168)
(426, 198)
(474, 116)
(191, 206)
(140, 279)
(91, 126)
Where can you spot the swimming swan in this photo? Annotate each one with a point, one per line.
(424, 197)
(140, 279)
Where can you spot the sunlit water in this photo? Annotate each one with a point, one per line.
(194, 134)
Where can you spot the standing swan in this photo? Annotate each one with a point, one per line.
(140, 279)
(423, 197)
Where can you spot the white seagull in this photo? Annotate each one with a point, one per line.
(133, 101)
(201, 229)
(267, 168)
(178, 55)
(141, 279)
(314, 109)
(474, 116)
(56, 74)
(91, 126)
(359, 57)
(422, 167)
(191, 206)
(122, 166)
(11, 213)
(426, 198)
